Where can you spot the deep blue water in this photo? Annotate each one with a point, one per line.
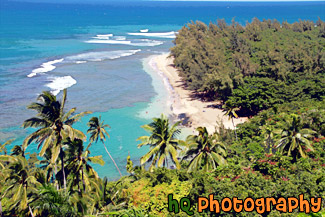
(105, 74)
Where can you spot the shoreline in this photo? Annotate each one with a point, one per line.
(191, 111)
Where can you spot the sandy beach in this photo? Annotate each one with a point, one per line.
(185, 107)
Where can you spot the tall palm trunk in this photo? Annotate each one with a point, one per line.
(112, 159)
(30, 210)
(0, 208)
(62, 168)
(56, 172)
(59, 127)
(83, 180)
(232, 119)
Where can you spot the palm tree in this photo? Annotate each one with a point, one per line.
(49, 168)
(78, 164)
(205, 150)
(267, 131)
(231, 113)
(21, 183)
(162, 142)
(49, 201)
(54, 126)
(294, 138)
(99, 196)
(5, 157)
(4, 160)
(129, 164)
(97, 131)
(17, 150)
(3, 146)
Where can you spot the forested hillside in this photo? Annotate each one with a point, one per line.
(253, 67)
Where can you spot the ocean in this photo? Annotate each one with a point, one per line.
(101, 53)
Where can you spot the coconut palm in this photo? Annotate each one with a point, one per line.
(4, 157)
(205, 151)
(267, 131)
(49, 201)
(129, 164)
(99, 196)
(78, 164)
(54, 126)
(4, 160)
(17, 150)
(162, 141)
(231, 113)
(97, 131)
(3, 147)
(293, 137)
(21, 183)
(50, 169)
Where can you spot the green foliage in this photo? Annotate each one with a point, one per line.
(205, 151)
(129, 164)
(162, 141)
(54, 126)
(294, 138)
(50, 202)
(253, 67)
(129, 213)
(97, 131)
(150, 192)
(255, 168)
(320, 214)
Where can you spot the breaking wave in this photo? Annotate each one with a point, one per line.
(60, 83)
(139, 42)
(101, 55)
(45, 67)
(108, 41)
(171, 34)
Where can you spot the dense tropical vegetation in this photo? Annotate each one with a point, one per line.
(277, 154)
(280, 152)
(162, 142)
(253, 67)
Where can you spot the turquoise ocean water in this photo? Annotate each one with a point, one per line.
(92, 50)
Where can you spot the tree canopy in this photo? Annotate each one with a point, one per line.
(253, 67)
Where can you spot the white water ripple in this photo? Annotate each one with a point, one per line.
(45, 67)
(60, 83)
(101, 55)
(171, 34)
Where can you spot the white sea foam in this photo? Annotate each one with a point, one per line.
(102, 41)
(101, 55)
(147, 42)
(120, 38)
(155, 34)
(144, 30)
(60, 83)
(106, 35)
(45, 67)
(140, 42)
(79, 62)
(103, 37)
